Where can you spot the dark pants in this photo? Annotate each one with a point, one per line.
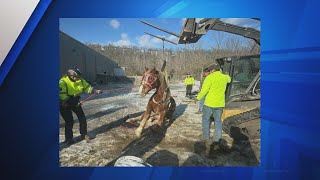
(66, 113)
(189, 89)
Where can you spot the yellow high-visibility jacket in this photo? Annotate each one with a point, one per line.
(189, 81)
(213, 88)
(69, 88)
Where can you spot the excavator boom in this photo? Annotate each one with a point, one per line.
(193, 31)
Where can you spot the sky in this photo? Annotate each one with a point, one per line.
(130, 31)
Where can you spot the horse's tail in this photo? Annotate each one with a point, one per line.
(171, 108)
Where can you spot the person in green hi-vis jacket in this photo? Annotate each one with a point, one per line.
(189, 82)
(213, 89)
(71, 86)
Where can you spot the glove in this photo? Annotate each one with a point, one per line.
(98, 91)
(79, 104)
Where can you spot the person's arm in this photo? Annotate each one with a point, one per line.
(205, 88)
(185, 81)
(63, 91)
(228, 79)
(87, 88)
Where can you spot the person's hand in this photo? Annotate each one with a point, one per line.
(98, 91)
(195, 101)
(79, 104)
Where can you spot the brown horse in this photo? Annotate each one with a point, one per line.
(160, 102)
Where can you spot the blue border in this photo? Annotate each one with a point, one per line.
(23, 38)
(290, 82)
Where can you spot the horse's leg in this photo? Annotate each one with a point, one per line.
(145, 116)
(171, 108)
(134, 120)
(154, 117)
(157, 126)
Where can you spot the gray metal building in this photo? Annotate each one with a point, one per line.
(93, 65)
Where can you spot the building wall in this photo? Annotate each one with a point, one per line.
(74, 54)
(119, 71)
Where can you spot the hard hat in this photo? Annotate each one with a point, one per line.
(214, 66)
(76, 71)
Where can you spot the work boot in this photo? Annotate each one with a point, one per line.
(208, 148)
(224, 146)
(69, 142)
(216, 146)
(202, 138)
(86, 137)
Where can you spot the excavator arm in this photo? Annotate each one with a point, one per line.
(215, 24)
(193, 31)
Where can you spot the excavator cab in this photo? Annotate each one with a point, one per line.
(245, 77)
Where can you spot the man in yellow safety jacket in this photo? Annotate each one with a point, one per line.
(213, 89)
(71, 86)
(189, 82)
(206, 72)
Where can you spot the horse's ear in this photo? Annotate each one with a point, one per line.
(154, 70)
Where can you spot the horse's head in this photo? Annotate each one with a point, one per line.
(150, 80)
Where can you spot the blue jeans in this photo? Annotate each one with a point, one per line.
(201, 103)
(207, 113)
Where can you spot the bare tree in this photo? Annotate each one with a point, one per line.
(218, 39)
(189, 58)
